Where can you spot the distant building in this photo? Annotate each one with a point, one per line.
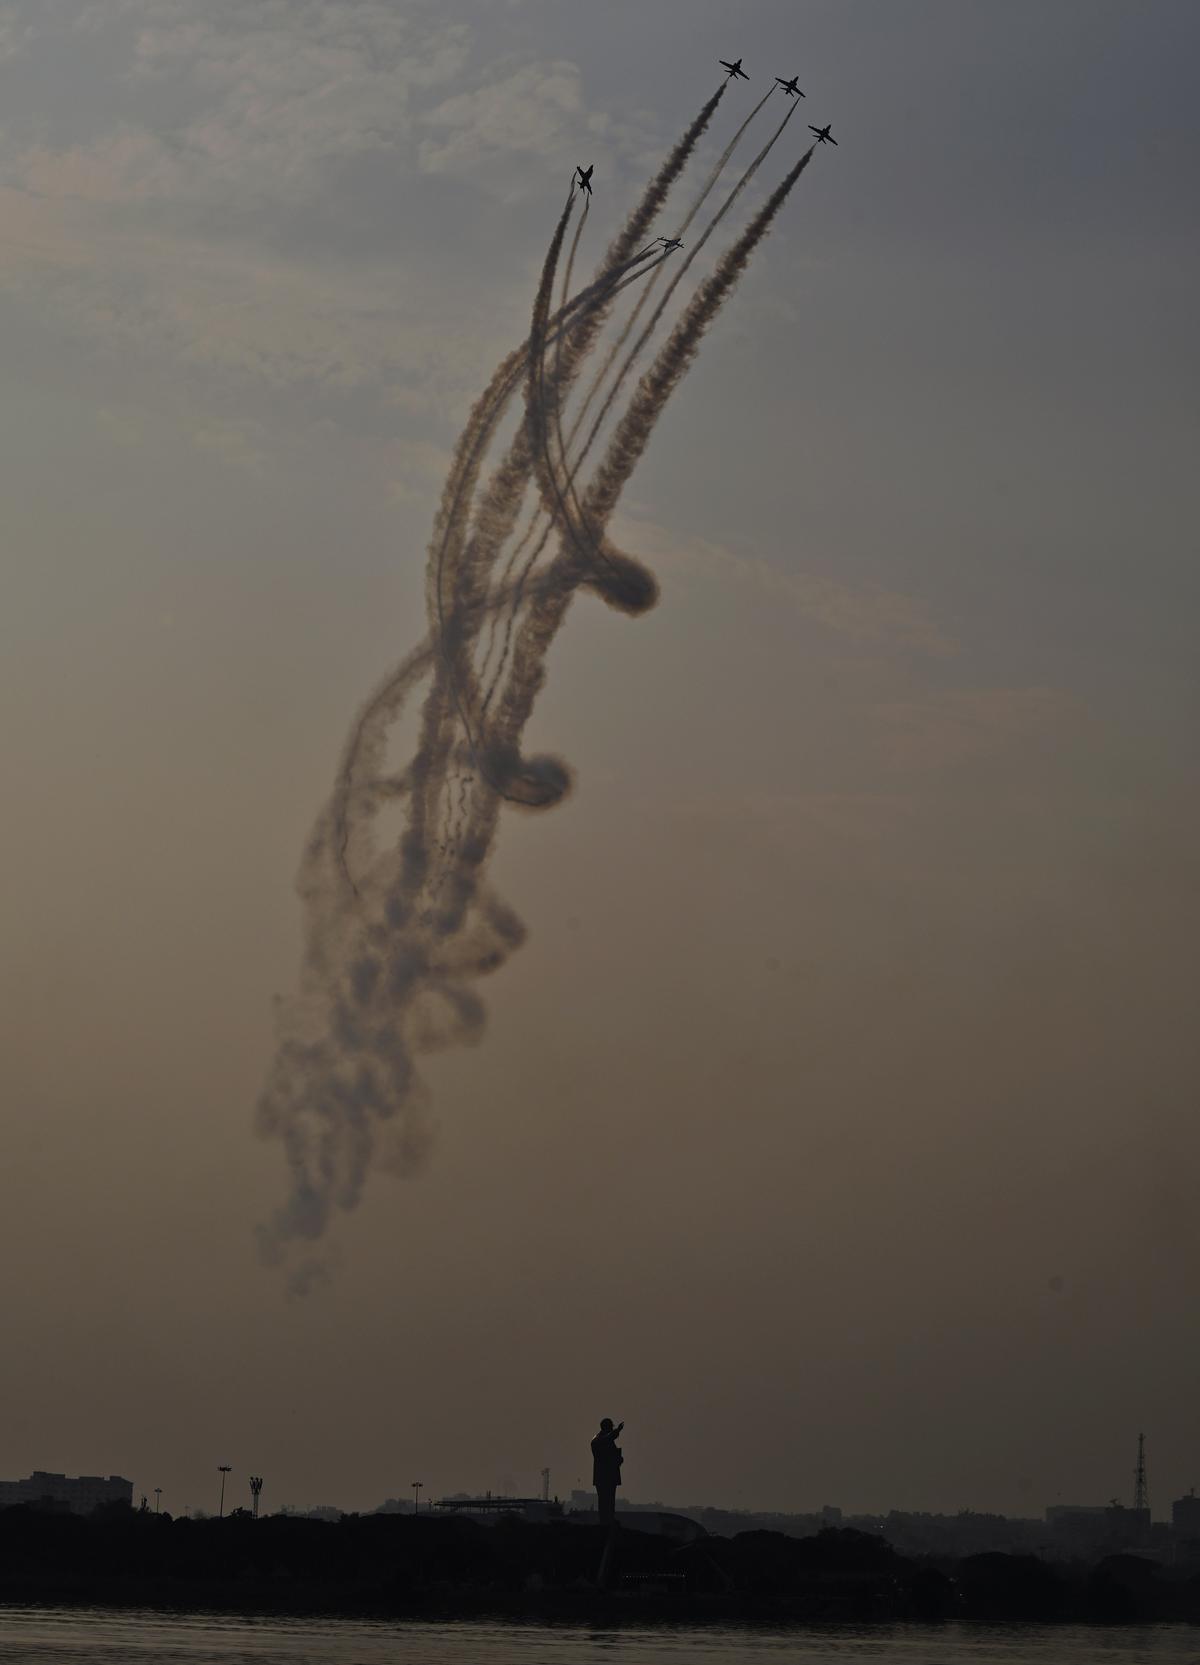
(77, 1496)
(489, 1508)
(1185, 1525)
(1085, 1530)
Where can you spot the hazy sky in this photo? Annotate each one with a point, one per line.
(836, 1125)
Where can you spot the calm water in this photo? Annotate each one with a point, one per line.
(47, 1636)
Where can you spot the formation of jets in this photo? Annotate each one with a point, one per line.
(583, 176)
(791, 88)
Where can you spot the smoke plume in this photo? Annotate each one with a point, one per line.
(399, 932)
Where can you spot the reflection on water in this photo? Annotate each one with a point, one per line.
(50, 1636)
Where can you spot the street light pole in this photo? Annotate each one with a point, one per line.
(157, 1499)
(416, 1490)
(224, 1470)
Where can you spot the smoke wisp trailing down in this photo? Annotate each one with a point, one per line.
(399, 933)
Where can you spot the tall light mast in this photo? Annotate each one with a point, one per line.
(1141, 1486)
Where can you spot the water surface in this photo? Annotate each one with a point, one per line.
(54, 1636)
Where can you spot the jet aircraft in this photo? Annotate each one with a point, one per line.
(670, 242)
(585, 178)
(822, 134)
(734, 69)
(789, 87)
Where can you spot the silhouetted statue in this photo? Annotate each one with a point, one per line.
(606, 1468)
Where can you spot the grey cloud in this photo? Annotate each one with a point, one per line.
(535, 110)
(274, 94)
(941, 731)
(866, 613)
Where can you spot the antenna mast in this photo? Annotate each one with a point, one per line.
(1141, 1488)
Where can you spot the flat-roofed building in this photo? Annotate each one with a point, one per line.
(78, 1494)
(1185, 1525)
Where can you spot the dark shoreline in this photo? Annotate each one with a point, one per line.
(440, 1570)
